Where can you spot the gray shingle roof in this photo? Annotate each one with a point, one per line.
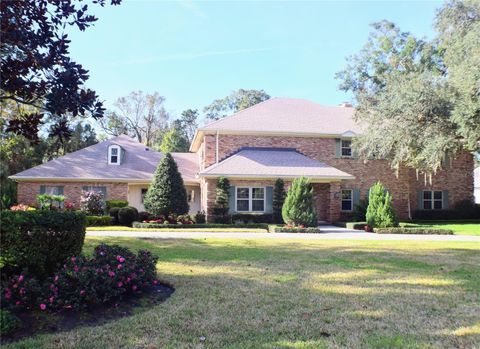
(273, 163)
(90, 163)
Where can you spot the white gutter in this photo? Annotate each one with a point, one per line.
(99, 180)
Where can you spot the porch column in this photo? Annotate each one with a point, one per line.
(335, 202)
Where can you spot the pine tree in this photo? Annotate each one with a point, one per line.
(298, 209)
(278, 200)
(221, 208)
(166, 195)
(380, 212)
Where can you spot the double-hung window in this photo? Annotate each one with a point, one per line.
(347, 200)
(250, 199)
(432, 199)
(53, 190)
(99, 189)
(114, 155)
(346, 148)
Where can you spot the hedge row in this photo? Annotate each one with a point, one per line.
(352, 225)
(206, 226)
(99, 220)
(407, 230)
(285, 229)
(252, 218)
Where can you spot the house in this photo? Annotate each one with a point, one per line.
(477, 185)
(279, 138)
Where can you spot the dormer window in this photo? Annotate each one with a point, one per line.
(114, 155)
(346, 148)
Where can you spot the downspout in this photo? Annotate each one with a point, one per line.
(216, 149)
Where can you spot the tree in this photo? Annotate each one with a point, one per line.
(166, 195)
(81, 136)
(419, 93)
(174, 141)
(278, 200)
(188, 123)
(221, 207)
(236, 101)
(139, 115)
(380, 212)
(298, 208)
(36, 68)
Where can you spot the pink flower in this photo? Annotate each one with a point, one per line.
(134, 287)
(14, 285)
(18, 303)
(43, 306)
(76, 269)
(155, 282)
(82, 292)
(119, 266)
(73, 259)
(22, 291)
(20, 278)
(8, 295)
(120, 284)
(121, 260)
(51, 299)
(111, 274)
(56, 278)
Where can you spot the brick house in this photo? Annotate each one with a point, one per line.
(279, 138)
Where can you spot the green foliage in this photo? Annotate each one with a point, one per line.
(360, 210)
(222, 194)
(95, 221)
(144, 216)
(115, 203)
(188, 123)
(380, 212)
(49, 202)
(198, 225)
(464, 209)
(92, 202)
(39, 241)
(8, 323)
(247, 218)
(236, 101)
(114, 214)
(298, 208)
(167, 193)
(407, 230)
(174, 141)
(199, 218)
(278, 200)
(284, 229)
(127, 215)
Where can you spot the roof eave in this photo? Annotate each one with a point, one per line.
(99, 180)
(269, 176)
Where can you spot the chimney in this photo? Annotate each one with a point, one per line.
(345, 105)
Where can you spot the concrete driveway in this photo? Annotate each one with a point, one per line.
(329, 232)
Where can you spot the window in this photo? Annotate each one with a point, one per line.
(346, 148)
(347, 199)
(53, 190)
(250, 199)
(98, 189)
(114, 155)
(432, 200)
(191, 196)
(143, 193)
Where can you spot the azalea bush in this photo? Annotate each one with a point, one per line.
(92, 202)
(22, 207)
(111, 273)
(170, 219)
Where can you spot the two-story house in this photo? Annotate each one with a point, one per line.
(279, 138)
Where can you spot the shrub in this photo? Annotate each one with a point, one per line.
(466, 209)
(110, 274)
(92, 203)
(50, 202)
(167, 193)
(380, 213)
(127, 215)
(40, 240)
(252, 218)
(352, 225)
(298, 208)
(22, 207)
(144, 216)
(109, 204)
(199, 218)
(99, 220)
(8, 323)
(278, 200)
(360, 210)
(286, 229)
(220, 210)
(152, 225)
(407, 230)
(114, 214)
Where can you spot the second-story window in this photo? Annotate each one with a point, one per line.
(114, 155)
(346, 148)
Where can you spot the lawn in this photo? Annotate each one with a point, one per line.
(266, 293)
(459, 228)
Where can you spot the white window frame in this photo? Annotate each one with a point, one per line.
(110, 148)
(52, 186)
(432, 200)
(251, 199)
(342, 199)
(343, 147)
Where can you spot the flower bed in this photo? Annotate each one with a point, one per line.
(407, 230)
(287, 229)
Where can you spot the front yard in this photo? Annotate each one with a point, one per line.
(298, 294)
(459, 228)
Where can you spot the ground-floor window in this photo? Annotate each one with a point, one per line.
(52, 190)
(432, 199)
(347, 199)
(250, 199)
(98, 189)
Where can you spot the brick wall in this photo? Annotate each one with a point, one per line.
(404, 186)
(27, 191)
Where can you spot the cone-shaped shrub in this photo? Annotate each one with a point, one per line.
(221, 207)
(166, 194)
(380, 212)
(278, 200)
(298, 208)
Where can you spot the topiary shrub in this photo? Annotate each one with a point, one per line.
(298, 208)
(114, 214)
(39, 241)
(95, 221)
(278, 200)
(109, 204)
(127, 215)
(92, 202)
(380, 212)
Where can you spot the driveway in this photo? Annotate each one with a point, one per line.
(328, 233)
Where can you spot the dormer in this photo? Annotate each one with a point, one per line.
(115, 154)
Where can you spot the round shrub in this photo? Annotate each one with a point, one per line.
(144, 216)
(8, 323)
(114, 214)
(298, 208)
(127, 215)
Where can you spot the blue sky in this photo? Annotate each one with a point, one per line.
(194, 52)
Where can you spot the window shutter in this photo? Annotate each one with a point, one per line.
(445, 199)
(269, 200)
(231, 200)
(356, 197)
(338, 148)
(60, 190)
(420, 200)
(42, 189)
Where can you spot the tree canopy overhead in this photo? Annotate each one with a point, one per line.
(36, 69)
(419, 100)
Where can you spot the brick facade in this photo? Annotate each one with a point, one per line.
(404, 185)
(27, 191)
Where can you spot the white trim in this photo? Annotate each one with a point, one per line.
(342, 147)
(99, 180)
(250, 199)
(341, 199)
(316, 179)
(118, 155)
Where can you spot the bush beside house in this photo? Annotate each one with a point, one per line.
(380, 212)
(278, 200)
(222, 194)
(298, 209)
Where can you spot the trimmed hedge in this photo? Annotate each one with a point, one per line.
(40, 241)
(115, 203)
(464, 209)
(284, 229)
(114, 214)
(93, 221)
(127, 215)
(351, 225)
(253, 218)
(196, 226)
(419, 230)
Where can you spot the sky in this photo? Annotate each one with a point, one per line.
(193, 52)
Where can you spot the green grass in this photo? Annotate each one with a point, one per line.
(458, 228)
(210, 230)
(265, 293)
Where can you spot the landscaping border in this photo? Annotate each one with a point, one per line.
(196, 226)
(284, 229)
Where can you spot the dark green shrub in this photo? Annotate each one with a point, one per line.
(144, 216)
(127, 215)
(380, 212)
(220, 210)
(360, 211)
(298, 209)
(109, 204)
(419, 230)
(8, 323)
(199, 218)
(466, 209)
(190, 226)
(278, 200)
(39, 241)
(252, 218)
(285, 229)
(434, 214)
(93, 221)
(114, 214)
